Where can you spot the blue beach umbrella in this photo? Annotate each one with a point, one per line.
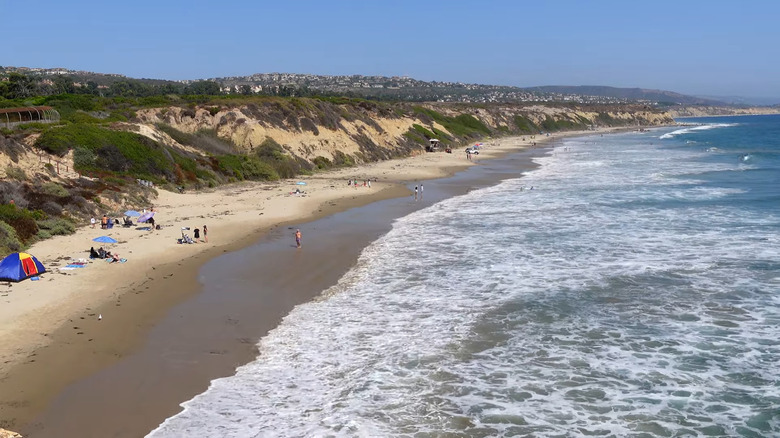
(132, 213)
(301, 183)
(104, 239)
(146, 216)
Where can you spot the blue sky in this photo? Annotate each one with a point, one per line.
(692, 47)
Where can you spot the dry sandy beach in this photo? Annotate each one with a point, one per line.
(51, 335)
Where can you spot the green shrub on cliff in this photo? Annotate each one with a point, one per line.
(82, 117)
(552, 125)
(429, 134)
(322, 163)
(606, 119)
(53, 189)
(246, 167)
(115, 151)
(9, 240)
(205, 140)
(525, 125)
(83, 158)
(15, 173)
(471, 123)
(20, 227)
(415, 136)
(285, 165)
(340, 159)
(464, 125)
(442, 136)
(21, 219)
(56, 226)
(425, 132)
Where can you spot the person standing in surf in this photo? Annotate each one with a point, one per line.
(298, 238)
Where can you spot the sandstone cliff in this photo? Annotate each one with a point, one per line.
(368, 131)
(704, 111)
(61, 175)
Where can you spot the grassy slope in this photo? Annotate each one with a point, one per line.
(116, 157)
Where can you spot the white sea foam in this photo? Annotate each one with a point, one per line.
(689, 130)
(608, 300)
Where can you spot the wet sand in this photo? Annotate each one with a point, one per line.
(244, 294)
(190, 321)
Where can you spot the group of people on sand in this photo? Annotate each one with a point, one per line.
(105, 222)
(196, 235)
(101, 253)
(355, 183)
(109, 222)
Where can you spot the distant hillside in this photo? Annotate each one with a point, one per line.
(637, 94)
(395, 88)
(746, 101)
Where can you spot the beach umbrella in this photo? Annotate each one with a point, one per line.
(301, 183)
(104, 239)
(132, 213)
(146, 216)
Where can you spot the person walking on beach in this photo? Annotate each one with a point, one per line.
(104, 222)
(298, 238)
(92, 222)
(205, 234)
(421, 192)
(415, 193)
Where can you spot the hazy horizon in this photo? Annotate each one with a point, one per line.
(695, 48)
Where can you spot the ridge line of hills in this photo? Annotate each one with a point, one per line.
(399, 88)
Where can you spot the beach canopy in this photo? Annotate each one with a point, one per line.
(132, 213)
(301, 183)
(104, 239)
(146, 216)
(18, 266)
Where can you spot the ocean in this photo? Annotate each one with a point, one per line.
(627, 286)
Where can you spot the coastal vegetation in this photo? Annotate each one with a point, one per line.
(110, 151)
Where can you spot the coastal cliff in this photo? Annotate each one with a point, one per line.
(368, 131)
(95, 163)
(708, 111)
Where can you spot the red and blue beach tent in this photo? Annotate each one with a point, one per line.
(18, 266)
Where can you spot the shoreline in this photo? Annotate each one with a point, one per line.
(134, 302)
